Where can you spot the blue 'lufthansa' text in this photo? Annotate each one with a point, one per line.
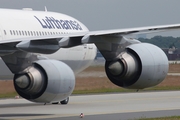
(52, 23)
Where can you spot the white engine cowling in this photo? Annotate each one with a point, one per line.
(139, 66)
(45, 81)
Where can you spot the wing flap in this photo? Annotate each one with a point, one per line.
(67, 42)
(7, 48)
(39, 46)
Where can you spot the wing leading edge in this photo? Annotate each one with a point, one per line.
(138, 30)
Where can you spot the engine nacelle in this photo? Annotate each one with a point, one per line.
(45, 81)
(139, 66)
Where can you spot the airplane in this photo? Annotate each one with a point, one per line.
(42, 52)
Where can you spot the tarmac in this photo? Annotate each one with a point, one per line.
(122, 106)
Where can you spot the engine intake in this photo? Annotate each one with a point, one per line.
(139, 66)
(45, 81)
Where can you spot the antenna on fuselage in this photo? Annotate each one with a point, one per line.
(45, 8)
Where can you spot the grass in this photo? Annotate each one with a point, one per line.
(103, 90)
(8, 95)
(162, 118)
(119, 90)
(94, 82)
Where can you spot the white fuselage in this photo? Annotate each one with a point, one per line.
(16, 24)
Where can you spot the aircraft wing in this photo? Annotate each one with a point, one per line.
(50, 44)
(138, 30)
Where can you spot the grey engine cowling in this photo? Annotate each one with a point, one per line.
(139, 66)
(45, 81)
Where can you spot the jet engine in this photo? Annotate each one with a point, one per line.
(138, 66)
(45, 81)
